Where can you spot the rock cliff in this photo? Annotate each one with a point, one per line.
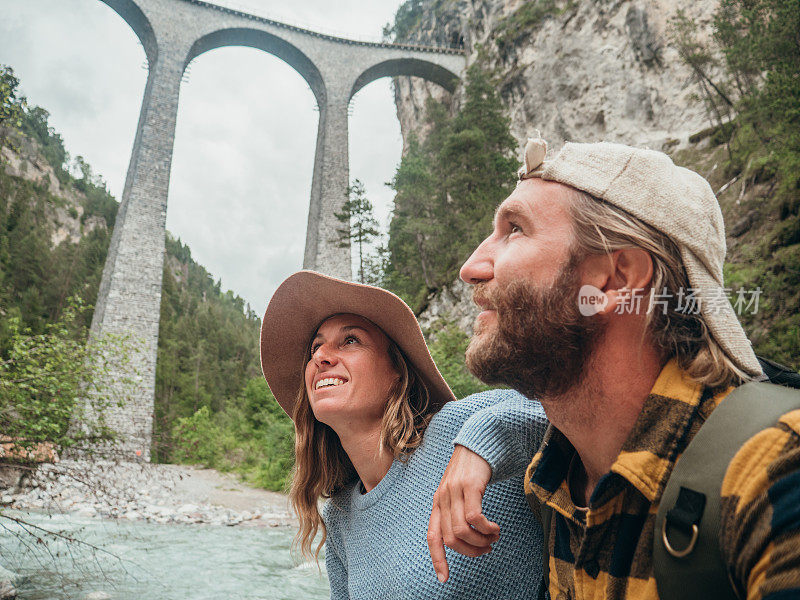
(65, 206)
(576, 70)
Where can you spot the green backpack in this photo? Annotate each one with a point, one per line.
(687, 559)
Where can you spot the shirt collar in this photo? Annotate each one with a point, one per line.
(659, 435)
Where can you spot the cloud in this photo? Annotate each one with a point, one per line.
(246, 128)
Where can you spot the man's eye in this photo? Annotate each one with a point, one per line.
(350, 339)
(314, 348)
(514, 228)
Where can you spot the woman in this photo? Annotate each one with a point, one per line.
(375, 428)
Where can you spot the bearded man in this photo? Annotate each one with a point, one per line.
(602, 294)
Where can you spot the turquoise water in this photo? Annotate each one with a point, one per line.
(136, 561)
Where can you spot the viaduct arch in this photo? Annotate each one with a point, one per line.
(173, 33)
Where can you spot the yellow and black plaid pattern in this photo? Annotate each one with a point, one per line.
(605, 550)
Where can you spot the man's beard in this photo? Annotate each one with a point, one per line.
(542, 344)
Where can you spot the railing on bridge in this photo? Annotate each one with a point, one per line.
(340, 37)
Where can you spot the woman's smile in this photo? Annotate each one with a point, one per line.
(349, 372)
(328, 382)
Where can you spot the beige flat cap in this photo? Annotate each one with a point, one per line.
(676, 201)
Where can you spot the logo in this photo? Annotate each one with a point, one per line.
(591, 300)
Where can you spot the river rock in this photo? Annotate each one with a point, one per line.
(130, 491)
(7, 590)
(10, 477)
(156, 510)
(8, 581)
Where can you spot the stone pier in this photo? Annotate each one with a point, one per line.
(173, 33)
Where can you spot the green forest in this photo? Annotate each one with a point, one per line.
(212, 404)
(754, 103)
(447, 187)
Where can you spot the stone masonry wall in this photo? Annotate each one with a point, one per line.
(173, 32)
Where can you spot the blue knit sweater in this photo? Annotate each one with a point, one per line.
(376, 546)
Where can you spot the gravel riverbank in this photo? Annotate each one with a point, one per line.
(149, 492)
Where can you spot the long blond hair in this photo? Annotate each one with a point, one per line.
(601, 228)
(322, 467)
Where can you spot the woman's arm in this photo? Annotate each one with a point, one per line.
(334, 563)
(337, 573)
(334, 551)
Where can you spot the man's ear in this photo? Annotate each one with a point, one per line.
(630, 272)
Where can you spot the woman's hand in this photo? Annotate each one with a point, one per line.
(457, 518)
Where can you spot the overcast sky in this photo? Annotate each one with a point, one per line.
(246, 131)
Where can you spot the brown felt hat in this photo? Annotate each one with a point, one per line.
(306, 299)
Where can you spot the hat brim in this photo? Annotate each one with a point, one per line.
(719, 314)
(304, 300)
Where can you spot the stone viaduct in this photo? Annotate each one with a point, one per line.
(173, 33)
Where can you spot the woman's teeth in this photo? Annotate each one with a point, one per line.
(330, 381)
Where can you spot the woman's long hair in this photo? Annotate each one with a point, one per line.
(323, 468)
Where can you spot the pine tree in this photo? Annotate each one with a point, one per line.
(447, 188)
(359, 225)
(12, 106)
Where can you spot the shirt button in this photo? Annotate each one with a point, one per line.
(592, 568)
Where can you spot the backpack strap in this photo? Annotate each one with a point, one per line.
(778, 373)
(687, 558)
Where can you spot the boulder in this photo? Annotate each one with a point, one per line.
(10, 477)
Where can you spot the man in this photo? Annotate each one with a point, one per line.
(602, 294)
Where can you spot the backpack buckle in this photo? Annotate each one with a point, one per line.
(686, 551)
(685, 515)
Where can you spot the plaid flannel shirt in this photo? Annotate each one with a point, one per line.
(604, 551)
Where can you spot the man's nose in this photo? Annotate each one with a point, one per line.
(479, 266)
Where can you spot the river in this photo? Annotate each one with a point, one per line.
(137, 561)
